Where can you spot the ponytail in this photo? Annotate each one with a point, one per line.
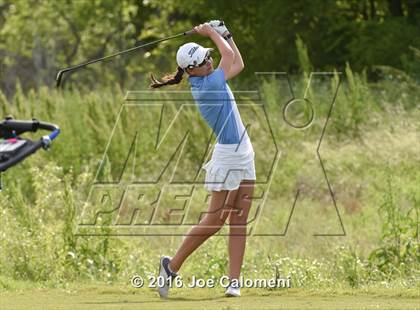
(169, 79)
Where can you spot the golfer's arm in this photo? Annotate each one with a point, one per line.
(238, 64)
(225, 50)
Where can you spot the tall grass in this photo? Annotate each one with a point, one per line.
(370, 152)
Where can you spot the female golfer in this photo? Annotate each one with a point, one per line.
(230, 173)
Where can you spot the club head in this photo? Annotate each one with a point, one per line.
(59, 77)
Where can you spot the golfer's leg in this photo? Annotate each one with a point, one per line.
(237, 222)
(210, 224)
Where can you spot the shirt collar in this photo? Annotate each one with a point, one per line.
(195, 80)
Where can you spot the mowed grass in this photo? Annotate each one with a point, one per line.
(125, 297)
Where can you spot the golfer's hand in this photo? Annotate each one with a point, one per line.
(205, 30)
(219, 26)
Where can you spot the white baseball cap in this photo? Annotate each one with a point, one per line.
(191, 54)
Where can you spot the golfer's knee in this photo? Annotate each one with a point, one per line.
(214, 221)
(238, 217)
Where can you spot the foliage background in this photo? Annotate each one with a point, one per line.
(37, 38)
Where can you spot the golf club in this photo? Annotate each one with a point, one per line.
(73, 68)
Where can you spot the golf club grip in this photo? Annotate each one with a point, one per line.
(189, 32)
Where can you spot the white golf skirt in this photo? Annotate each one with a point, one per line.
(229, 165)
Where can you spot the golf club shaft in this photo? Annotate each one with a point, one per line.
(61, 72)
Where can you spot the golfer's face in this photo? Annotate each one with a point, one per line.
(204, 70)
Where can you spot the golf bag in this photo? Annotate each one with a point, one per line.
(14, 148)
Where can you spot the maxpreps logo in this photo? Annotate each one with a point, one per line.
(150, 178)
